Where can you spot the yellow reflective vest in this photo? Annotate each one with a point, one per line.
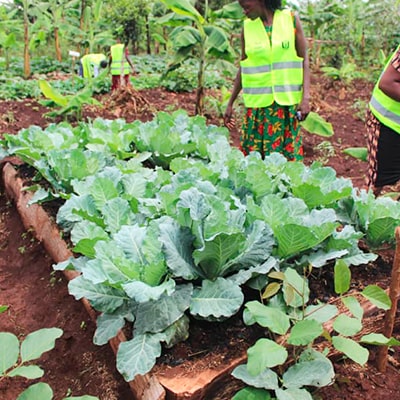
(91, 64)
(118, 61)
(385, 109)
(272, 70)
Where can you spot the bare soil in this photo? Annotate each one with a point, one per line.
(37, 297)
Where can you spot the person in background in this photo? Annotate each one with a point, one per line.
(120, 65)
(275, 78)
(90, 65)
(383, 129)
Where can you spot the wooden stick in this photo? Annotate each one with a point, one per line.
(390, 315)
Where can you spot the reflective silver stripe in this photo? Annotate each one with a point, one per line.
(256, 70)
(267, 68)
(384, 111)
(263, 90)
(277, 89)
(287, 88)
(287, 65)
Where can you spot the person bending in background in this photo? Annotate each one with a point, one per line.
(120, 65)
(90, 65)
(383, 129)
(275, 78)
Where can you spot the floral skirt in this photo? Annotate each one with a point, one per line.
(272, 129)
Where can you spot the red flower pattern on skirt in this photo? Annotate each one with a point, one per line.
(272, 129)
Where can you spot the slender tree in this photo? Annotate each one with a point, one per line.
(27, 66)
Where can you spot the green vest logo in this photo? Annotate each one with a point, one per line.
(285, 44)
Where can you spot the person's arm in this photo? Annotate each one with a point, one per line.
(229, 121)
(390, 80)
(129, 60)
(301, 48)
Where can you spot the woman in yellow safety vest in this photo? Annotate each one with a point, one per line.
(120, 65)
(383, 129)
(91, 65)
(275, 78)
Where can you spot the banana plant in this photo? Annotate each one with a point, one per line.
(94, 31)
(53, 11)
(8, 30)
(204, 37)
(69, 105)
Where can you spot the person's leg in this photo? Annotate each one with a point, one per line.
(373, 132)
(114, 82)
(383, 157)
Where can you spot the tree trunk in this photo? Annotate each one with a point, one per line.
(200, 85)
(82, 21)
(27, 67)
(148, 38)
(57, 44)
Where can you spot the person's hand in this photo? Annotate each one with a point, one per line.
(229, 121)
(303, 110)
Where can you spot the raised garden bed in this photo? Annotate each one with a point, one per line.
(186, 373)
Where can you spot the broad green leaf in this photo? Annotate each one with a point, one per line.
(295, 288)
(351, 349)
(304, 332)
(312, 369)
(314, 123)
(102, 190)
(267, 379)
(381, 231)
(177, 244)
(264, 354)
(268, 317)
(342, 277)
(185, 37)
(292, 394)
(27, 371)
(215, 254)
(9, 351)
(377, 296)
(321, 312)
(346, 325)
(216, 299)
(379, 339)
(155, 316)
(353, 306)
(142, 292)
(250, 393)
(230, 11)
(117, 212)
(39, 390)
(293, 239)
(49, 92)
(138, 356)
(108, 326)
(110, 266)
(360, 153)
(102, 298)
(38, 342)
(252, 273)
(184, 7)
(177, 332)
(217, 39)
(131, 240)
